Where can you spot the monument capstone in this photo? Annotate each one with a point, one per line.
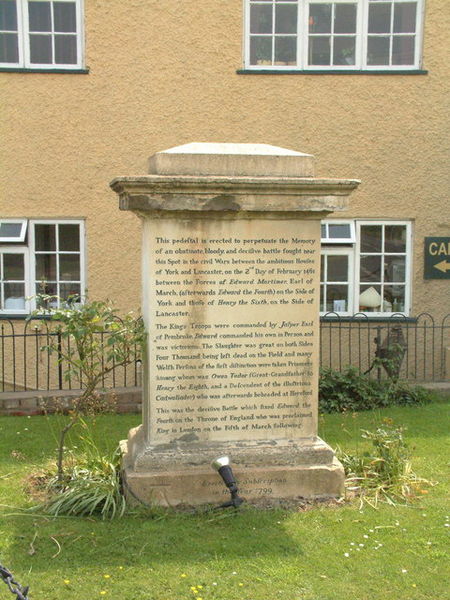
(230, 272)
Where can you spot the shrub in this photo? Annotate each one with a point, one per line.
(348, 390)
(95, 343)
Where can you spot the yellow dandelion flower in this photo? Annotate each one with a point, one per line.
(200, 587)
(183, 575)
(240, 584)
(67, 581)
(120, 568)
(102, 593)
(106, 576)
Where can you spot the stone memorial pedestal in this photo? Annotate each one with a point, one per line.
(230, 263)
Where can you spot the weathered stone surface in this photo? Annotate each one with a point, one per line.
(153, 193)
(199, 486)
(234, 160)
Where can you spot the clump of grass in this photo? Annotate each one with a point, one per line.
(383, 473)
(91, 486)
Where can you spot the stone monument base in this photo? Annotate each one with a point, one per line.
(170, 475)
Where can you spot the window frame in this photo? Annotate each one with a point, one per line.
(19, 238)
(408, 273)
(23, 35)
(354, 248)
(361, 34)
(336, 240)
(5, 249)
(28, 249)
(329, 250)
(81, 252)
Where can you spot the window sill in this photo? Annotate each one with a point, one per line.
(330, 72)
(24, 317)
(366, 318)
(59, 71)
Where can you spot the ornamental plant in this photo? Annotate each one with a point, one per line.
(93, 341)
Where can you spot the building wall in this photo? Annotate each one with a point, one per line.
(163, 74)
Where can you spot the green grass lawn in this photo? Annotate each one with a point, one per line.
(326, 553)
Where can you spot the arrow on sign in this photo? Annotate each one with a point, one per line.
(443, 266)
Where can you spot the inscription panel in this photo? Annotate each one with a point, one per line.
(232, 313)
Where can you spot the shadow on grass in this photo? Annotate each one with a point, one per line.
(141, 540)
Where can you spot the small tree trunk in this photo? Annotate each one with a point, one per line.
(62, 438)
(73, 419)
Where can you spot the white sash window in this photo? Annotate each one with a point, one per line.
(41, 34)
(334, 35)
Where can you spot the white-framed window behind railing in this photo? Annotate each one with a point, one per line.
(14, 280)
(333, 35)
(50, 262)
(370, 274)
(41, 34)
(337, 280)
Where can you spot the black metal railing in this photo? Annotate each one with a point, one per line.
(416, 348)
(24, 365)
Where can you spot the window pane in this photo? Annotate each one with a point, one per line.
(10, 230)
(395, 238)
(70, 292)
(337, 268)
(64, 15)
(69, 237)
(344, 50)
(14, 296)
(394, 268)
(9, 48)
(322, 298)
(286, 18)
(41, 49)
(285, 50)
(46, 267)
(341, 230)
(39, 16)
(337, 298)
(370, 298)
(403, 50)
(47, 287)
(370, 269)
(13, 266)
(260, 50)
(380, 18)
(323, 231)
(69, 267)
(45, 237)
(261, 18)
(405, 17)
(394, 298)
(371, 238)
(345, 18)
(8, 15)
(320, 18)
(378, 51)
(322, 267)
(65, 50)
(319, 50)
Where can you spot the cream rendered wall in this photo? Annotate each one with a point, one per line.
(164, 74)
